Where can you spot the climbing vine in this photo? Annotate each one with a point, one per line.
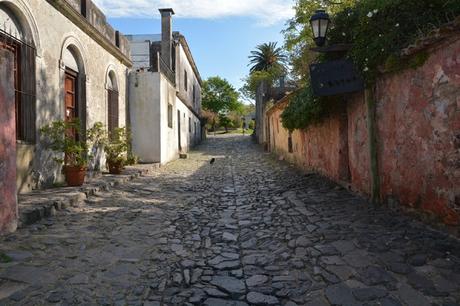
(377, 30)
(304, 109)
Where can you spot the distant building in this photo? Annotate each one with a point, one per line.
(164, 94)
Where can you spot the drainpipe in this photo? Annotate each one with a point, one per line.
(369, 97)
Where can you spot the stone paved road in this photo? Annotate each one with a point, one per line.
(246, 230)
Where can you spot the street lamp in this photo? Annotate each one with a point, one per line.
(320, 24)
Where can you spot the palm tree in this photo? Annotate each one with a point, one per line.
(267, 56)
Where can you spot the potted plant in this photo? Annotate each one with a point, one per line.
(63, 137)
(116, 150)
(66, 137)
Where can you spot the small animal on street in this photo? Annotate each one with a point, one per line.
(213, 160)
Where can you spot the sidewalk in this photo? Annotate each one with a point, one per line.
(41, 204)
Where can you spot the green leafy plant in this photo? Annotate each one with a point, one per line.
(5, 258)
(67, 137)
(132, 159)
(252, 81)
(64, 137)
(251, 125)
(378, 31)
(267, 56)
(116, 146)
(303, 109)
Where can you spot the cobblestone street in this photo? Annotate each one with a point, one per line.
(246, 230)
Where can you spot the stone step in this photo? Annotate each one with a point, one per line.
(40, 204)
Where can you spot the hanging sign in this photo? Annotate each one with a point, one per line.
(334, 78)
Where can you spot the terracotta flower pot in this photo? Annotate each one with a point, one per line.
(74, 176)
(115, 167)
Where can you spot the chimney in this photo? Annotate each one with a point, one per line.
(166, 35)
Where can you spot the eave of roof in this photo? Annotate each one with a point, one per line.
(188, 52)
(68, 11)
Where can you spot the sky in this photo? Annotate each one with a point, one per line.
(221, 33)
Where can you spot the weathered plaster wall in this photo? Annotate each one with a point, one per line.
(358, 144)
(8, 199)
(418, 137)
(144, 97)
(170, 136)
(186, 94)
(418, 120)
(315, 148)
(153, 140)
(52, 32)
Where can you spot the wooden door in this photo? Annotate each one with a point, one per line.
(71, 104)
(71, 110)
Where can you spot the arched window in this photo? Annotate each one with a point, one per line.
(16, 38)
(112, 102)
(73, 75)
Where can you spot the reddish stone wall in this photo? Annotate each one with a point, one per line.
(8, 201)
(316, 148)
(418, 121)
(358, 145)
(418, 137)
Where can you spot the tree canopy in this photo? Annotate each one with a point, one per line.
(267, 56)
(219, 96)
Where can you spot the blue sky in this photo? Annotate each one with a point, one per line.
(221, 33)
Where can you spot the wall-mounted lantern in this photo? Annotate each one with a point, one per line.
(333, 77)
(320, 24)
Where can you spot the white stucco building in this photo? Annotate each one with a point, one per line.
(69, 63)
(164, 95)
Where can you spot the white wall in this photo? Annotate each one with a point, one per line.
(153, 140)
(144, 97)
(52, 32)
(183, 65)
(170, 136)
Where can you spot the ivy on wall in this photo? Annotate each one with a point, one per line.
(378, 30)
(305, 109)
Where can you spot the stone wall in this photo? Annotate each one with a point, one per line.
(418, 137)
(8, 200)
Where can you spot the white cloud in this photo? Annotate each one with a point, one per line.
(266, 11)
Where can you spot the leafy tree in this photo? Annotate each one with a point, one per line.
(252, 81)
(219, 98)
(225, 121)
(267, 56)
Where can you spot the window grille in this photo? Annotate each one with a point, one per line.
(24, 85)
